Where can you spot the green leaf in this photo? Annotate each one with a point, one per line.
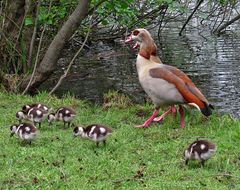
(28, 21)
(104, 22)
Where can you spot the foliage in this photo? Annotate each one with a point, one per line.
(132, 159)
(116, 11)
(58, 12)
(126, 13)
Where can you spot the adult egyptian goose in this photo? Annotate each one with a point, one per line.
(165, 85)
(201, 150)
(155, 58)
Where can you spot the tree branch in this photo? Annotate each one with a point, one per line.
(49, 61)
(225, 25)
(190, 16)
(70, 64)
(33, 35)
(38, 50)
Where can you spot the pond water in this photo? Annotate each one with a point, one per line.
(213, 63)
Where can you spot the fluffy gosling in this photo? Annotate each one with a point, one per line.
(201, 150)
(95, 132)
(64, 114)
(25, 131)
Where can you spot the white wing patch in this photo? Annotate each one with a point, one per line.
(91, 131)
(39, 112)
(27, 128)
(202, 146)
(67, 111)
(102, 130)
(192, 148)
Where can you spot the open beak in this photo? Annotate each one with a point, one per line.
(130, 40)
(137, 45)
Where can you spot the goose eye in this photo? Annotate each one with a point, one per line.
(135, 32)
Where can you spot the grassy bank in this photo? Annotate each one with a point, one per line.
(133, 158)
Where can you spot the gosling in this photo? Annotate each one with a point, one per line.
(25, 131)
(95, 132)
(201, 150)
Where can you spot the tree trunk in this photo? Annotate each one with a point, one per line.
(48, 64)
(13, 51)
(13, 14)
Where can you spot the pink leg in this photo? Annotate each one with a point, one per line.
(150, 120)
(172, 109)
(182, 120)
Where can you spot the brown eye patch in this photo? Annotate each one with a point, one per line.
(135, 32)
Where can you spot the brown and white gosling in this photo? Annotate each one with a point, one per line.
(95, 132)
(64, 114)
(20, 115)
(37, 115)
(43, 107)
(23, 114)
(200, 150)
(24, 131)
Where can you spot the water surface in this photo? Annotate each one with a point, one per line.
(211, 62)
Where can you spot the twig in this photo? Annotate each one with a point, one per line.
(161, 21)
(5, 16)
(223, 18)
(70, 64)
(9, 42)
(190, 16)
(1, 10)
(17, 41)
(81, 43)
(217, 31)
(38, 51)
(34, 35)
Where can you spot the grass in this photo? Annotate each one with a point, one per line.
(132, 159)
